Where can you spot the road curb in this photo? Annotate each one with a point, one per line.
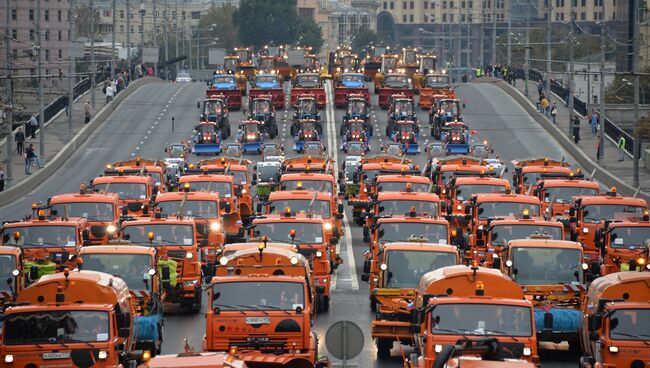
(582, 159)
(38, 177)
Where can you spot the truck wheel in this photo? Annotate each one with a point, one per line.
(326, 303)
(575, 347)
(383, 348)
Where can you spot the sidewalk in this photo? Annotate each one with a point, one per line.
(622, 170)
(57, 136)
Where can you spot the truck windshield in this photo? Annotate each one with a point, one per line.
(357, 107)
(465, 191)
(629, 324)
(401, 231)
(125, 190)
(306, 232)
(163, 234)
(267, 173)
(503, 233)
(406, 267)
(7, 265)
(132, 268)
(531, 178)
(435, 81)
(400, 207)
(267, 295)
(223, 79)
(266, 79)
(197, 209)
(224, 188)
(320, 207)
(500, 209)
(55, 327)
(93, 211)
(630, 236)
(177, 152)
(481, 319)
(596, 213)
(566, 194)
(355, 149)
(396, 81)
(315, 185)
(546, 266)
(352, 78)
(403, 107)
(308, 81)
(400, 186)
(41, 236)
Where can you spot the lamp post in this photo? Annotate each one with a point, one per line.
(142, 12)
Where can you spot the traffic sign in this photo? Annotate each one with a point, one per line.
(216, 56)
(344, 340)
(150, 55)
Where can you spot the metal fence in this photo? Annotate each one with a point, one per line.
(612, 131)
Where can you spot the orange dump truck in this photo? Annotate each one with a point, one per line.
(310, 237)
(269, 325)
(615, 331)
(557, 195)
(527, 172)
(309, 181)
(471, 303)
(70, 319)
(11, 273)
(459, 190)
(179, 264)
(238, 168)
(401, 183)
(393, 278)
(588, 214)
(138, 166)
(624, 246)
(135, 192)
(101, 210)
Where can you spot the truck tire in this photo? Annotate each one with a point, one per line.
(384, 347)
(373, 304)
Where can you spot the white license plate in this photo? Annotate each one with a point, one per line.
(258, 320)
(50, 356)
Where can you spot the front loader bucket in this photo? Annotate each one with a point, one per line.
(412, 148)
(458, 149)
(255, 147)
(207, 148)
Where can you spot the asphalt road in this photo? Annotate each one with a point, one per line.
(142, 125)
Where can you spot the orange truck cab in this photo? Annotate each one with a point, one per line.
(624, 246)
(179, 263)
(557, 195)
(138, 166)
(553, 275)
(224, 186)
(323, 165)
(269, 325)
(309, 181)
(11, 274)
(527, 172)
(471, 303)
(401, 183)
(393, 278)
(459, 190)
(388, 204)
(71, 319)
(48, 245)
(137, 266)
(101, 210)
(588, 214)
(238, 168)
(135, 192)
(446, 172)
(310, 237)
(614, 328)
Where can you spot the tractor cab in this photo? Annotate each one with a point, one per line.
(306, 108)
(206, 132)
(357, 107)
(402, 108)
(314, 149)
(307, 80)
(215, 109)
(251, 136)
(262, 108)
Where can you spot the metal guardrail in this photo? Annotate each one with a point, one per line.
(612, 131)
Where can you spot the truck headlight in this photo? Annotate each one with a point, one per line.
(223, 261)
(527, 352)
(189, 255)
(319, 253)
(327, 226)
(613, 349)
(9, 358)
(103, 354)
(189, 283)
(110, 229)
(215, 226)
(585, 230)
(437, 348)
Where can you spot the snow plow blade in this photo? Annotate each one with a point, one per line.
(255, 147)
(214, 148)
(458, 149)
(412, 149)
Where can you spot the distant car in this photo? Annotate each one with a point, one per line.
(183, 77)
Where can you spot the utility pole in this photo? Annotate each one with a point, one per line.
(93, 66)
(72, 65)
(41, 105)
(128, 38)
(494, 32)
(636, 150)
(482, 35)
(155, 36)
(142, 10)
(176, 32)
(549, 13)
(113, 43)
(527, 61)
(601, 99)
(460, 41)
(572, 39)
(509, 52)
(9, 109)
(166, 33)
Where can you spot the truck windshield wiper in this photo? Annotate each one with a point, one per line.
(231, 307)
(501, 333)
(636, 337)
(273, 307)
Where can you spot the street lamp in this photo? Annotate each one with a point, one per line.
(142, 12)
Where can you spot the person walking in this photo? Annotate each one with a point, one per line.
(29, 158)
(576, 129)
(621, 148)
(554, 112)
(598, 147)
(2, 179)
(88, 111)
(594, 122)
(545, 104)
(33, 126)
(109, 93)
(19, 138)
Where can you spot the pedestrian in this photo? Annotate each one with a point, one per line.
(33, 126)
(576, 129)
(88, 111)
(109, 93)
(29, 157)
(150, 70)
(540, 87)
(621, 148)
(2, 179)
(19, 138)
(554, 112)
(594, 122)
(539, 102)
(598, 147)
(65, 104)
(545, 104)
(35, 161)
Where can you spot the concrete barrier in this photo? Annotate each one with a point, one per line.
(584, 161)
(37, 178)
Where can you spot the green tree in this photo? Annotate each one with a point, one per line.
(261, 22)
(217, 23)
(310, 34)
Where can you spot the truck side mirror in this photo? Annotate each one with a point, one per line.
(33, 273)
(259, 208)
(467, 209)
(340, 208)
(198, 103)
(594, 322)
(85, 235)
(165, 275)
(124, 325)
(572, 211)
(226, 207)
(548, 321)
